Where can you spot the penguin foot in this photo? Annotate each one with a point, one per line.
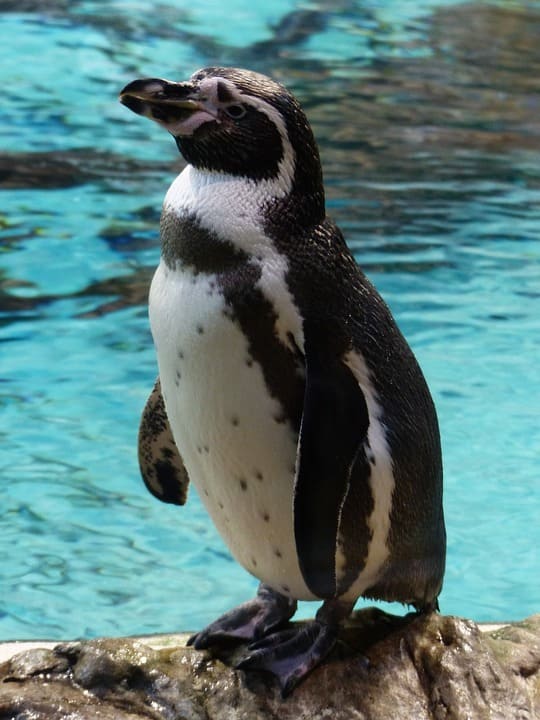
(250, 621)
(290, 655)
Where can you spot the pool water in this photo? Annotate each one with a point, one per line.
(427, 115)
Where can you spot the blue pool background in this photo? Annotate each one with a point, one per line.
(427, 115)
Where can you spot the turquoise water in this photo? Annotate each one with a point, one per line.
(427, 115)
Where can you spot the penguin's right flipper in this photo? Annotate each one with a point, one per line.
(160, 463)
(333, 429)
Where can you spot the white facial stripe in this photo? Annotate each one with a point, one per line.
(209, 89)
(288, 161)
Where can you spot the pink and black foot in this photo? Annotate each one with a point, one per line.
(252, 620)
(291, 654)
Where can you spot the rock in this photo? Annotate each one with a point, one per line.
(412, 668)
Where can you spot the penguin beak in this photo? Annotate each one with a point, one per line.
(175, 106)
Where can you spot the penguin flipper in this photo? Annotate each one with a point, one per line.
(160, 463)
(333, 428)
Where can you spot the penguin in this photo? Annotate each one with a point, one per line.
(286, 392)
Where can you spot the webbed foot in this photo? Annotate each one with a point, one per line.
(292, 654)
(250, 621)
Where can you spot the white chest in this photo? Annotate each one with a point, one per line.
(238, 452)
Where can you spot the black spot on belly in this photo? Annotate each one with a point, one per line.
(180, 355)
(253, 562)
(235, 421)
(206, 449)
(243, 484)
(200, 329)
(286, 588)
(221, 506)
(265, 516)
(278, 553)
(259, 476)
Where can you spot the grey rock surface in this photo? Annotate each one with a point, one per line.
(414, 668)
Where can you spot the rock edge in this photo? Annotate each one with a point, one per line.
(414, 668)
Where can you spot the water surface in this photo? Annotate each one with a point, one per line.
(427, 120)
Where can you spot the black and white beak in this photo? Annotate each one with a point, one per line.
(178, 107)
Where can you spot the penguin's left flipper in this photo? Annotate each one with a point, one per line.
(160, 462)
(333, 429)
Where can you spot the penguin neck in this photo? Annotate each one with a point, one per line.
(232, 208)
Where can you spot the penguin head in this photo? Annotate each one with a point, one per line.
(233, 121)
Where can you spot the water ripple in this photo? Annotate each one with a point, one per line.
(427, 118)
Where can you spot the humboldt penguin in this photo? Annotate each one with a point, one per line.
(286, 393)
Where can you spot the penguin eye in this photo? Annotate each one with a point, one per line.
(236, 112)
